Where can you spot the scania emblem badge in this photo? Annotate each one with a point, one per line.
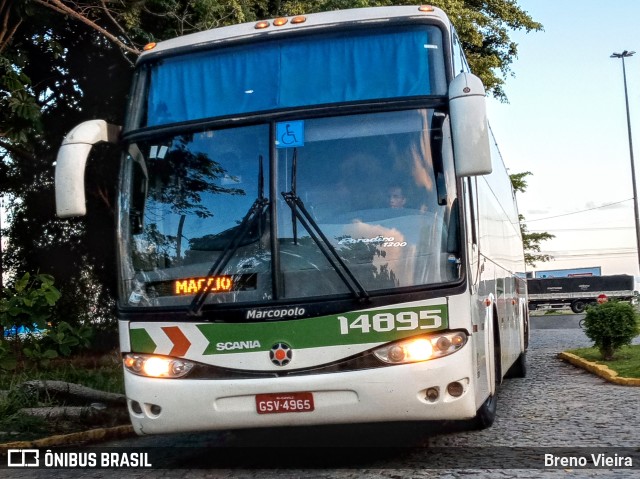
(281, 354)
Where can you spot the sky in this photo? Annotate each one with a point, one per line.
(565, 122)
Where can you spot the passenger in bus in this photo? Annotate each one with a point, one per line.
(397, 198)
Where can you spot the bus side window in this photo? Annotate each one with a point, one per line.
(471, 210)
(138, 198)
(458, 59)
(460, 64)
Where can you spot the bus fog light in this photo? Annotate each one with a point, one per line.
(421, 348)
(432, 394)
(455, 389)
(135, 407)
(157, 366)
(155, 409)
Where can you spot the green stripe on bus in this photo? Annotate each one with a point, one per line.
(141, 341)
(361, 327)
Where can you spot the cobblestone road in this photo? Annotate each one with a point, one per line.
(558, 405)
(555, 406)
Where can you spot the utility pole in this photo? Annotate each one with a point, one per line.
(622, 56)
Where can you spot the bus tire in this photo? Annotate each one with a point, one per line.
(486, 415)
(578, 306)
(519, 368)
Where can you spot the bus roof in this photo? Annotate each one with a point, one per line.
(314, 21)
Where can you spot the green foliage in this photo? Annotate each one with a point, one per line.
(20, 111)
(26, 305)
(611, 325)
(66, 338)
(483, 27)
(518, 181)
(8, 361)
(531, 244)
(29, 304)
(530, 241)
(23, 427)
(15, 399)
(38, 354)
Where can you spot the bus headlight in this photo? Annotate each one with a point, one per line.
(421, 348)
(157, 366)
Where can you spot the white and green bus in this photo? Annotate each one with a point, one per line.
(315, 226)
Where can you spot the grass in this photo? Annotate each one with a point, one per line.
(549, 312)
(102, 372)
(626, 361)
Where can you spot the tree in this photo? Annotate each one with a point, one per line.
(531, 244)
(66, 61)
(482, 25)
(530, 241)
(46, 88)
(518, 181)
(611, 325)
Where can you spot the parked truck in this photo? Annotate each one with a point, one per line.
(578, 292)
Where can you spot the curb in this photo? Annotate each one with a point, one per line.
(599, 370)
(84, 437)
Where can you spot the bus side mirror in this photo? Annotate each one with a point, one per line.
(469, 126)
(71, 162)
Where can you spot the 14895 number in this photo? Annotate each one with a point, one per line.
(383, 322)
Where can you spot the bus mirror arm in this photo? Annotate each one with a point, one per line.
(71, 162)
(469, 126)
(438, 163)
(453, 236)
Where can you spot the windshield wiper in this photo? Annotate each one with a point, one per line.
(300, 212)
(254, 216)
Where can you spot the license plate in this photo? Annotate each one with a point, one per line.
(284, 402)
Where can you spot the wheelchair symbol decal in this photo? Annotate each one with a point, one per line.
(289, 134)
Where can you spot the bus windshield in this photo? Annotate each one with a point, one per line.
(348, 204)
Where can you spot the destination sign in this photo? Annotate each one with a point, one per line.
(214, 284)
(193, 285)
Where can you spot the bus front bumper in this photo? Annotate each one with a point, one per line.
(396, 393)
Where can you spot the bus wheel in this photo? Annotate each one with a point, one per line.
(578, 306)
(487, 413)
(519, 368)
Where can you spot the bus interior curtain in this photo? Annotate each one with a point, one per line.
(281, 74)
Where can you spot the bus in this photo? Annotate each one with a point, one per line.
(315, 226)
